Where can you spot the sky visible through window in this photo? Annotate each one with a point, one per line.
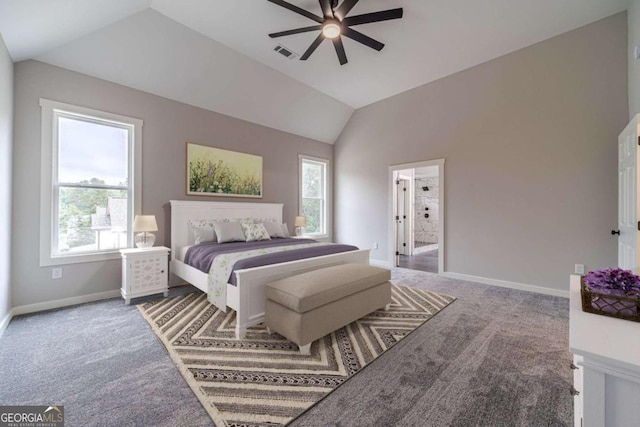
(91, 150)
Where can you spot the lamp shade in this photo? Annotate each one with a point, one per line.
(145, 223)
(300, 222)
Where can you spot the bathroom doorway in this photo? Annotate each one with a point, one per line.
(418, 216)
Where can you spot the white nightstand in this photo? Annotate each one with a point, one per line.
(144, 272)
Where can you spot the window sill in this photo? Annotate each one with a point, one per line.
(79, 258)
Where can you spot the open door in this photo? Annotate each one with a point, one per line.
(628, 225)
(403, 228)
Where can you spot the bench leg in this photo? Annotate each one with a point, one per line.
(305, 350)
(387, 307)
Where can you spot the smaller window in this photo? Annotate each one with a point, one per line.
(313, 195)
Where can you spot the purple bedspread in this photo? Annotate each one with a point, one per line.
(201, 256)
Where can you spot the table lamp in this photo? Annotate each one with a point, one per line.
(299, 224)
(144, 224)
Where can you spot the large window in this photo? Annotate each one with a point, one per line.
(313, 195)
(89, 194)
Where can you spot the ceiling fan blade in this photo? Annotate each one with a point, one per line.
(365, 40)
(297, 10)
(368, 18)
(296, 31)
(342, 56)
(312, 48)
(344, 8)
(325, 5)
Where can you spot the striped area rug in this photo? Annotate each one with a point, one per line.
(263, 380)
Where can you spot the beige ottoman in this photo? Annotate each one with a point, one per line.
(308, 306)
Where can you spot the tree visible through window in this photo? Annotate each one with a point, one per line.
(313, 194)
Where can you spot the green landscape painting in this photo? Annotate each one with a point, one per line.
(217, 172)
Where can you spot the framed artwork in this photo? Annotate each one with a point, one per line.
(217, 172)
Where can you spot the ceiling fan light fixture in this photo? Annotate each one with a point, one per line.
(331, 30)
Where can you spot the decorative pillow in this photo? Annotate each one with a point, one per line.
(285, 230)
(203, 230)
(255, 232)
(274, 229)
(229, 232)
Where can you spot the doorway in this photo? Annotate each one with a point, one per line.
(417, 216)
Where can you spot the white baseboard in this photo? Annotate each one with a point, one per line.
(379, 263)
(5, 322)
(507, 284)
(49, 305)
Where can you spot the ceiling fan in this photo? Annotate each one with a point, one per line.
(334, 23)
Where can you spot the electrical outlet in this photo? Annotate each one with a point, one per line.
(375, 245)
(56, 273)
(579, 269)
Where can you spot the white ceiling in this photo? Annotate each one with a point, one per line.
(33, 27)
(435, 38)
(221, 58)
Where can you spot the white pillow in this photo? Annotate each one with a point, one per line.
(274, 229)
(255, 232)
(203, 230)
(285, 230)
(229, 232)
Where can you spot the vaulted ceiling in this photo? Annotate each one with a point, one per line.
(217, 55)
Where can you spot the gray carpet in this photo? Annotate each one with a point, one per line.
(102, 362)
(496, 357)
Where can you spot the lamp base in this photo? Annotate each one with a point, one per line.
(299, 231)
(144, 240)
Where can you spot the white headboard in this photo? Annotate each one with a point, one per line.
(183, 210)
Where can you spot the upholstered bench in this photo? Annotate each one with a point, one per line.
(310, 305)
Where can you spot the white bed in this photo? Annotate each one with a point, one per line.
(248, 297)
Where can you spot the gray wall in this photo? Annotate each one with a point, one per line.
(6, 138)
(530, 146)
(167, 126)
(634, 65)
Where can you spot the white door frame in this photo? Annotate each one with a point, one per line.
(441, 214)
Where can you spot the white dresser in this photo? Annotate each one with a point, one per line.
(144, 272)
(607, 361)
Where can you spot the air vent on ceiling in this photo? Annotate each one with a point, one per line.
(286, 52)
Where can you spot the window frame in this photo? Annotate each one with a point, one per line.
(327, 191)
(51, 111)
